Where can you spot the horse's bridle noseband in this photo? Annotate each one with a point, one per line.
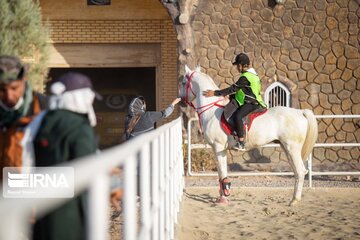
(200, 109)
(187, 87)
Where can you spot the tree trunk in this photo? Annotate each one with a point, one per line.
(182, 13)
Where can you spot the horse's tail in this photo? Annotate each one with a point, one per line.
(311, 135)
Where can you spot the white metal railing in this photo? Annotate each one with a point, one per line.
(309, 160)
(161, 149)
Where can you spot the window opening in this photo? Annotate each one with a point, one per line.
(277, 94)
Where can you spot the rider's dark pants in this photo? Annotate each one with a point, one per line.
(238, 116)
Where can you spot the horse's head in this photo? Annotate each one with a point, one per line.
(186, 91)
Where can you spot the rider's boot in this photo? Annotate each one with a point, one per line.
(240, 145)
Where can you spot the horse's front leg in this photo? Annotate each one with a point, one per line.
(222, 173)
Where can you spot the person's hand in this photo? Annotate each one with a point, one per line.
(115, 171)
(176, 101)
(208, 93)
(115, 198)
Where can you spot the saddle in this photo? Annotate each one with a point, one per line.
(228, 127)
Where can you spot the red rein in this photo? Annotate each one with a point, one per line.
(201, 109)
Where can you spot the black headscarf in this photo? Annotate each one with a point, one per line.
(136, 108)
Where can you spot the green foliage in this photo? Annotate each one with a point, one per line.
(23, 34)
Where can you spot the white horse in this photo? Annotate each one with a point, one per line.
(295, 129)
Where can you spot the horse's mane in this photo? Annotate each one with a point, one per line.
(208, 78)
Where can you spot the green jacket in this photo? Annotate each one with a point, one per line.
(255, 86)
(62, 137)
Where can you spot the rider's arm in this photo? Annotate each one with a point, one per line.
(241, 83)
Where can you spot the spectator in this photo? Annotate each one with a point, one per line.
(18, 106)
(65, 134)
(139, 120)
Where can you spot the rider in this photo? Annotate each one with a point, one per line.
(244, 96)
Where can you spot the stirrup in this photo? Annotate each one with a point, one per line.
(225, 185)
(239, 146)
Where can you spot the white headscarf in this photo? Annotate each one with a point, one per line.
(79, 100)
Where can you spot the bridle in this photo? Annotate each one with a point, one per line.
(201, 109)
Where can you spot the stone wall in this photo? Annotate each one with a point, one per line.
(312, 44)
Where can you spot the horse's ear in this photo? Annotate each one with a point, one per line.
(187, 69)
(198, 69)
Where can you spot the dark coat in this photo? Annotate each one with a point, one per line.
(233, 105)
(62, 137)
(146, 122)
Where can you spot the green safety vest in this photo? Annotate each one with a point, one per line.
(255, 86)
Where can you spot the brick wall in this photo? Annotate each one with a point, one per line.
(128, 31)
(117, 10)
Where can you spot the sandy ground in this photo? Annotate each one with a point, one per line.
(258, 209)
(263, 213)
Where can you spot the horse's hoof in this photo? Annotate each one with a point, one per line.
(294, 202)
(225, 185)
(222, 200)
(226, 192)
